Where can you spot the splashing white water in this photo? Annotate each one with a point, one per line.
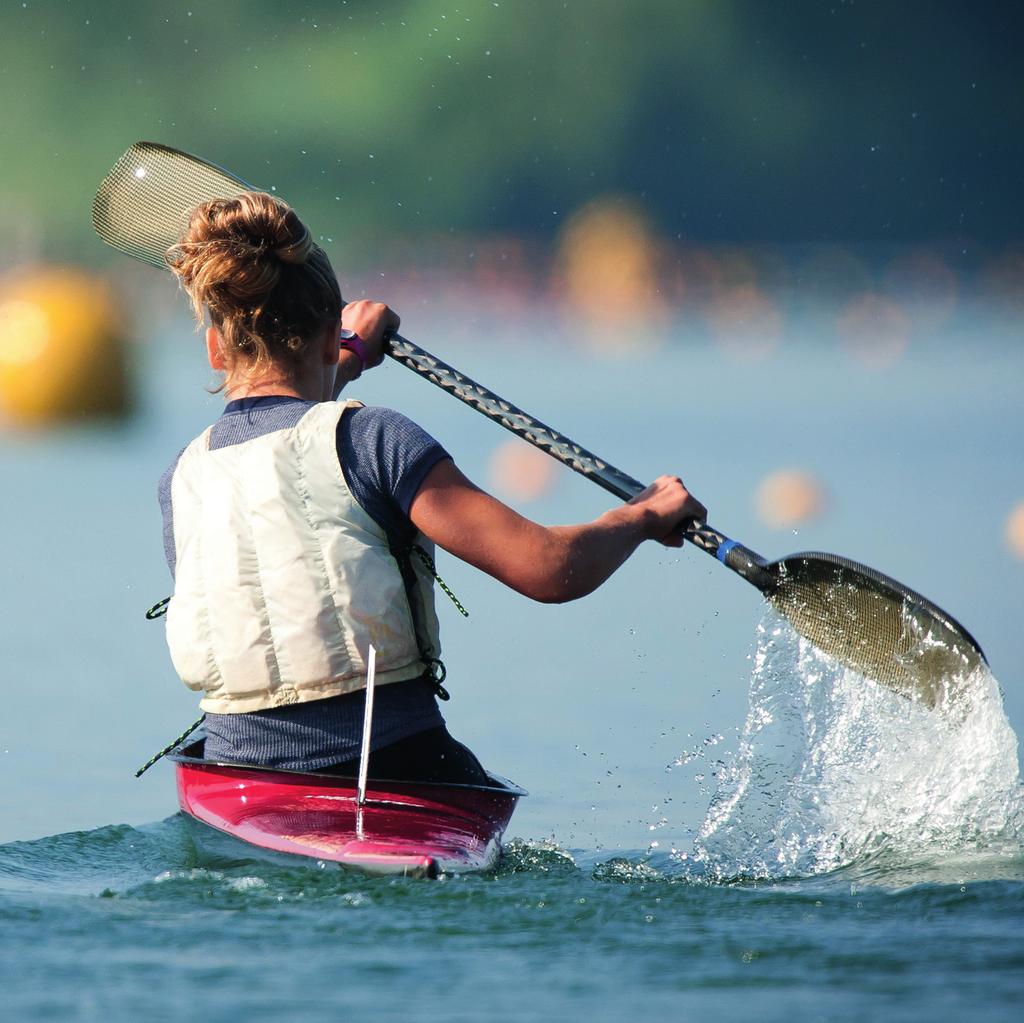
(833, 769)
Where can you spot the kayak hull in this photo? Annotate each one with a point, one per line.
(408, 828)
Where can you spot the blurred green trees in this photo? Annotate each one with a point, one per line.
(726, 120)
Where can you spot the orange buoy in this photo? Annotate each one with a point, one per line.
(62, 349)
(789, 497)
(1015, 530)
(521, 472)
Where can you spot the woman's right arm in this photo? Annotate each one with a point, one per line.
(552, 564)
(371, 321)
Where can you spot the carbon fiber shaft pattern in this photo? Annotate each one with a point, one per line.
(704, 537)
(514, 419)
(523, 425)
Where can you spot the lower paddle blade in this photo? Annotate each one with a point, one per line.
(875, 625)
(142, 205)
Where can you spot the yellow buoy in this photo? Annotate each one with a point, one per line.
(607, 275)
(62, 349)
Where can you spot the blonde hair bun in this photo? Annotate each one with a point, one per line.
(253, 264)
(297, 251)
(238, 241)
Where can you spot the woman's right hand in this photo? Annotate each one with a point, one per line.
(667, 507)
(371, 321)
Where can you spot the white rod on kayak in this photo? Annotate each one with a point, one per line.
(364, 754)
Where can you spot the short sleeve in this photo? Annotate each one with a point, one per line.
(167, 512)
(385, 457)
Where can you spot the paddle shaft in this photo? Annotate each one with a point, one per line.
(153, 186)
(743, 561)
(850, 611)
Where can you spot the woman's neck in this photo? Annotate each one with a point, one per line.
(318, 375)
(277, 386)
(307, 380)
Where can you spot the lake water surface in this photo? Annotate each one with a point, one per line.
(719, 820)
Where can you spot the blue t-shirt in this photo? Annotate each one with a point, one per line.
(385, 457)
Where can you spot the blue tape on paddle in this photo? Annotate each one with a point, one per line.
(723, 550)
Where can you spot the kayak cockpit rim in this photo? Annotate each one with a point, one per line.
(186, 755)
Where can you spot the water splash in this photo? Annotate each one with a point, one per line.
(528, 855)
(623, 870)
(833, 770)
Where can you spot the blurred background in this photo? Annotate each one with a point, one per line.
(776, 249)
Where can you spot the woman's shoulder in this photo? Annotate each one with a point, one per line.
(381, 417)
(383, 428)
(385, 456)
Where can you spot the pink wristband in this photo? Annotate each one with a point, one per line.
(354, 343)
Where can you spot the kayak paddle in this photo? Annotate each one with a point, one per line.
(865, 620)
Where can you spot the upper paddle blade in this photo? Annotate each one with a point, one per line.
(142, 205)
(875, 625)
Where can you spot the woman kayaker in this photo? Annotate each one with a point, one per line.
(300, 529)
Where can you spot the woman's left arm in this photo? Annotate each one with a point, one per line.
(551, 564)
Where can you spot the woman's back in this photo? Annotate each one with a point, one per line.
(289, 524)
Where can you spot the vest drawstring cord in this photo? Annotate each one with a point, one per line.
(158, 610)
(437, 673)
(167, 749)
(428, 562)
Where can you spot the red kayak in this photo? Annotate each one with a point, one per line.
(402, 827)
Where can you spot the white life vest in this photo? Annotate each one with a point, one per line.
(282, 580)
